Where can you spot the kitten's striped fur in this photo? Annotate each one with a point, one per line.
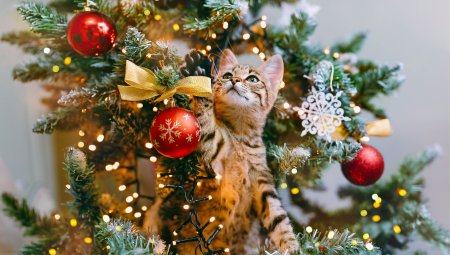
(245, 200)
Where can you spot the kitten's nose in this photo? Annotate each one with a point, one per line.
(235, 80)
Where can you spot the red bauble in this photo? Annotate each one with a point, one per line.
(366, 168)
(91, 34)
(175, 132)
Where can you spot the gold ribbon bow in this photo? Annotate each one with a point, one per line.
(144, 85)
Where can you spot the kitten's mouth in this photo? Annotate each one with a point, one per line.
(237, 91)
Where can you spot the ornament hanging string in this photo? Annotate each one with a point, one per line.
(331, 76)
(143, 84)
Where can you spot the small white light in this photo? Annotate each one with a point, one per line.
(225, 25)
(155, 109)
(47, 50)
(166, 101)
(153, 159)
(330, 235)
(122, 187)
(246, 36)
(175, 233)
(375, 196)
(57, 217)
(100, 138)
(213, 36)
(109, 168)
(357, 109)
(294, 170)
(129, 199)
(208, 47)
(80, 144)
(227, 250)
(369, 246)
(116, 165)
(139, 105)
(220, 226)
(137, 214)
(135, 195)
(148, 145)
(264, 17)
(210, 197)
(212, 219)
(67, 186)
(365, 139)
(262, 56)
(255, 50)
(144, 208)
(129, 209)
(161, 185)
(81, 133)
(286, 105)
(186, 207)
(92, 147)
(106, 218)
(263, 24)
(309, 229)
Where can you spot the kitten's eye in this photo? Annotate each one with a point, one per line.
(227, 76)
(252, 78)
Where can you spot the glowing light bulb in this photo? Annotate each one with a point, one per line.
(80, 144)
(73, 222)
(109, 168)
(282, 85)
(246, 36)
(122, 187)
(326, 51)
(199, 184)
(363, 213)
(81, 133)
(366, 236)
(106, 218)
(330, 234)
(139, 105)
(146, 12)
(157, 17)
(369, 246)
(153, 159)
(67, 186)
(294, 171)
(47, 50)
(155, 109)
(135, 195)
(255, 50)
(309, 229)
(67, 61)
(295, 191)
(176, 27)
(208, 47)
(213, 36)
(175, 233)
(87, 240)
(116, 165)
(336, 55)
(365, 139)
(227, 250)
(210, 197)
(402, 192)
(144, 208)
(129, 209)
(92, 147)
(397, 229)
(124, 50)
(129, 199)
(286, 105)
(137, 214)
(376, 218)
(161, 185)
(263, 24)
(225, 25)
(284, 185)
(52, 251)
(100, 138)
(212, 219)
(375, 196)
(148, 145)
(262, 56)
(186, 207)
(357, 109)
(57, 217)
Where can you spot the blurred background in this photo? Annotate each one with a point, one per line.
(416, 33)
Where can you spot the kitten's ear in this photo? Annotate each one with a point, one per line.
(227, 61)
(273, 68)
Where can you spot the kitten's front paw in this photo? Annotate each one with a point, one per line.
(286, 242)
(290, 246)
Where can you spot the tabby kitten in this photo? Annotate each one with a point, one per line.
(245, 200)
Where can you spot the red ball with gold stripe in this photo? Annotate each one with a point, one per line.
(175, 132)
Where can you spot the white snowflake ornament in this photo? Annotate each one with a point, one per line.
(321, 113)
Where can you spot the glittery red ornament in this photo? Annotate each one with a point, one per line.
(366, 168)
(175, 132)
(91, 34)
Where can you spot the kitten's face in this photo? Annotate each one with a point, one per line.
(242, 89)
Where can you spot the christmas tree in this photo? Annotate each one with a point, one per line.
(116, 77)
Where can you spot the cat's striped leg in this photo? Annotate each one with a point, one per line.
(273, 217)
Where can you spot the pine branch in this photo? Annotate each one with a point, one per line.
(28, 41)
(220, 11)
(82, 187)
(43, 20)
(332, 242)
(352, 46)
(121, 238)
(34, 224)
(289, 158)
